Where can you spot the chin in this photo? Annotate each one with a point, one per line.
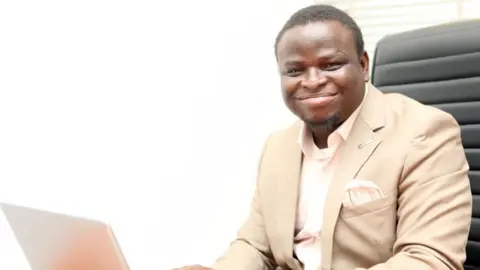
(324, 120)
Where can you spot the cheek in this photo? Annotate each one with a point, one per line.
(341, 78)
(344, 80)
(289, 86)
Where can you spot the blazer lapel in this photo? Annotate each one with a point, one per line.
(360, 144)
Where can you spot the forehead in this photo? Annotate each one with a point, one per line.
(316, 38)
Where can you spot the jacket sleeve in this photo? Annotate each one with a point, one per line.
(251, 249)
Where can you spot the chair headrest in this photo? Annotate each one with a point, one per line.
(439, 53)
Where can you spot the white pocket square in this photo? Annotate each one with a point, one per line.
(361, 191)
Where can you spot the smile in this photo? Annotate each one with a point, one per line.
(318, 101)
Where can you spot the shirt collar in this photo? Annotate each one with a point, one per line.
(334, 140)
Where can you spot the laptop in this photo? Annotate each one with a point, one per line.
(51, 241)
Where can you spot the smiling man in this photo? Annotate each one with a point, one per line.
(364, 180)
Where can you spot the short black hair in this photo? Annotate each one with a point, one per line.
(316, 13)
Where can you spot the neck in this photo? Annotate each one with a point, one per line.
(320, 133)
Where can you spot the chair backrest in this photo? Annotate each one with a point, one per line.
(440, 66)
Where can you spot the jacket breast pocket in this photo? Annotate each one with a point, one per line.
(371, 225)
(373, 206)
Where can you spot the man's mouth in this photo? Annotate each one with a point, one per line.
(319, 100)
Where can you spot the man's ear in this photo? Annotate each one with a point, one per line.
(365, 64)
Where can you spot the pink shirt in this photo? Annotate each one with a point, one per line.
(317, 170)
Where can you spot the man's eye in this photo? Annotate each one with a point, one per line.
(293, 71)
(332, 67)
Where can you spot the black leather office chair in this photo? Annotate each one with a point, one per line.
(440, 66)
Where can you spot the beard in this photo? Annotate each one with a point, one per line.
(329, 125)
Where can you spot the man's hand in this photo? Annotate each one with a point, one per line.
(193, 267)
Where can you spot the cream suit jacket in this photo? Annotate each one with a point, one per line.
(412, 152)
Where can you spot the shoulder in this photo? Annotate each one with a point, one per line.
(281, 148)
(285, 136)
(422, 120)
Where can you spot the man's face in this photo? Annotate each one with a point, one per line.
(322, 75)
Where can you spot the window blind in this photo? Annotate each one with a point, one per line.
(378, 18)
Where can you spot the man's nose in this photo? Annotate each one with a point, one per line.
(313, 79)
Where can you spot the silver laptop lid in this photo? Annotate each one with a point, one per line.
(52, 241)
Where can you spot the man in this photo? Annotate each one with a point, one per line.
(365, 180)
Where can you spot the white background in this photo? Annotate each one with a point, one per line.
(149, 115)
